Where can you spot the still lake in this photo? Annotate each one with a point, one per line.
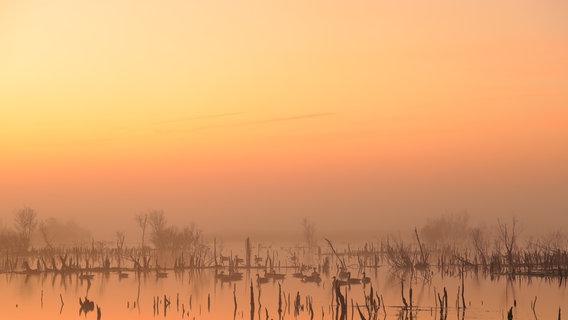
(199, 294)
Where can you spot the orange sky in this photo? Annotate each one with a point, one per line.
(225, 111)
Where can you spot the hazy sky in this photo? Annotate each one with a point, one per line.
(358, 114)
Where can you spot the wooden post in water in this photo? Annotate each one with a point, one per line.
(251, 301)
(288, 303)
(235, 299)
(463, 286)
(360, 313)
(248, 251)
(402, 294)
(279, 300)
(62, 304)
(258, 299)
(215, 251)
(166, 305)
(410, 297)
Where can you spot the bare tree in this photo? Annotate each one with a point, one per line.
(120, 240)
(481, 244)
(45, 234)
(447, 229)
(142, 220)
(507, 236)
(157, 220)
(55, 233)
(25, 223)
(309, 233)
(189, 237)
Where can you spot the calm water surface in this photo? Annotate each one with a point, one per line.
(21, 296)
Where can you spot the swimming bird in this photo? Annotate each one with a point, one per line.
(261, 280)
(365, 279)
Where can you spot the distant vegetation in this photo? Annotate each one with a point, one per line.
(28, 231)
(449, 243)
(164, 236)
(447, 229)
(52, 245)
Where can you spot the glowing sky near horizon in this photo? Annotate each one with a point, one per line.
(377, 111)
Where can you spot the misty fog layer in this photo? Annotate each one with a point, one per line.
(243, 119)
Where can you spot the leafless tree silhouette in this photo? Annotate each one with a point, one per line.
(158, 222)
(309, 231)
(25, 223)
(142, 220)
(507, 236)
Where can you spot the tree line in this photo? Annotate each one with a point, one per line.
(27, 231)
(164, 236)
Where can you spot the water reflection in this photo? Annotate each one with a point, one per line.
(282, 292)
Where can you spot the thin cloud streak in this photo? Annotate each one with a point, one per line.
(307, 116)
(201, 117)
(260, 122)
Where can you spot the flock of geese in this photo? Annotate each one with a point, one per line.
(347, 280)
(343, 278)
